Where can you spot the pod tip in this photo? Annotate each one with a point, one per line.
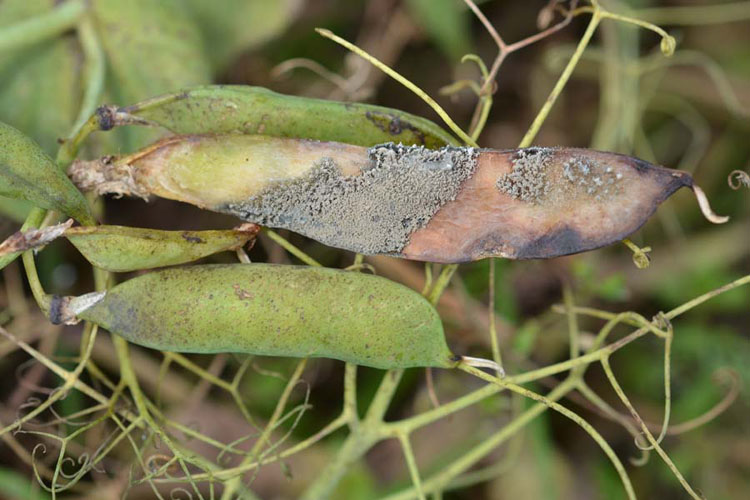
(706, 207)
(483, 363)
(65, 310)
(33, 238)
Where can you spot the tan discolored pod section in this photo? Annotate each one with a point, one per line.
(544, 202)
(446, 205)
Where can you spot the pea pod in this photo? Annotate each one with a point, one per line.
(446, 205)
(27, 173)
(220, 109)
(273, 310)
(121, 249)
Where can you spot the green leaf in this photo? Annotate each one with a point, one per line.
(16, 210)
(39, 86)
(27, 173)
(17, 486)
(231, 26)
(445, 22)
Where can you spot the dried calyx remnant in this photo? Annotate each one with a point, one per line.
(446, 205)
(398, 192)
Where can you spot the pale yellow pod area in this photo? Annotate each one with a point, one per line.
(211, 171)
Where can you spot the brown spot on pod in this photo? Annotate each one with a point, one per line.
(446, 205)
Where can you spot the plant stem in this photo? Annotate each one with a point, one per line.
(42, 27)
(94, 70)
(233, 484)
(528, 139)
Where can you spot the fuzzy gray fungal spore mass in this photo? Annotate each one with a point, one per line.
(374, 212)
(591, 179)
(527, 181)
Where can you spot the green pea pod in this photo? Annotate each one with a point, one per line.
(151, 46)
(273, 310)
(122, 249)
(254, 110)
(27, 173)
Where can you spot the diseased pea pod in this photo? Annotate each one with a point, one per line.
(122, 249)
(272, 310)
(447, 205)
(218, 109)
(27, 173)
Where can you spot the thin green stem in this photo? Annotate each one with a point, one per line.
(573, 334)
(494, 341)
(567, 413)
(42, 27)
(528, 139)
(69, 149)
(332, 427)
(403, 81)
(383, 396)
(644, 428)
(411, 463)
(410, 424)
(668, 42)
(443, 477)
(282, 242)
(350, 393)
(94, 70)
(441, 283)
(232, 485)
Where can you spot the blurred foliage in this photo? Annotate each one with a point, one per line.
(623, 96)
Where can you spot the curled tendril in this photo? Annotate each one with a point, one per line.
(20, 373)
(738, 179)
(83, 463)
(31, 403)
(180, 493)
(160, 463)
(668, 45)
(642, 445)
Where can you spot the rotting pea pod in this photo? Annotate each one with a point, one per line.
(222, 109)
(270, 309)
(448, 205)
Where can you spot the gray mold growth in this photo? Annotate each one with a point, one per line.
(527, 181)
(375, 212)
(590, 178)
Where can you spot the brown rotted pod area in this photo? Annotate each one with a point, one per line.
(447, 205)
